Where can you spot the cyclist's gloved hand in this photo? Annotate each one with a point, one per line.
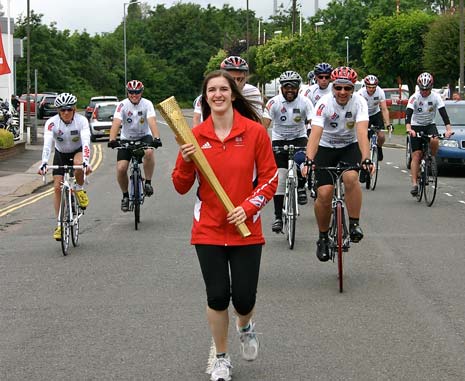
(156, 143)
(87, 168)
(113, 144)
(42, 169)
(367, 165)
(390, 127)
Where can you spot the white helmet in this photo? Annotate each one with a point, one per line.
(65, 100)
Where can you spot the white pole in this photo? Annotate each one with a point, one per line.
(9, 56)
(259, 35)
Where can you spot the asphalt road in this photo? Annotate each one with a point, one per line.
(130, 304)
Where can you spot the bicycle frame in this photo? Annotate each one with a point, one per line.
(136, 191)
(290, 206)
(70, 212)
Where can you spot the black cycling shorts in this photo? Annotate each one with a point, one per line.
(124, 154)
(430, 129)
(376, 121)
(62, 158)
(282, 158)
(330, 157)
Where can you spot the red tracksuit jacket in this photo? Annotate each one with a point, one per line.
(245, 167)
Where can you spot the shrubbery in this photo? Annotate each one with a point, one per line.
(6, 139)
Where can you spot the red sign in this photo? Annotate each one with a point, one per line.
(4, 68)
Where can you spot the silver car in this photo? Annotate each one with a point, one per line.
(101, 119)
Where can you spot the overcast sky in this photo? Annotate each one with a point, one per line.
(97, 16)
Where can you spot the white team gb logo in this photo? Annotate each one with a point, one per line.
(258, 201)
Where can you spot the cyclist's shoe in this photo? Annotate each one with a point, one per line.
(249, 342)
(356, 233)
(322, 249)
(380, 154)
(221, 369)
(414, 190)
(277, 226)
(82, 198)
(125, 204)
(302, 196)
(148, 189)
(57, 234)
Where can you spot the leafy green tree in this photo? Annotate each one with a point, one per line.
(441, 51)
(393, 48)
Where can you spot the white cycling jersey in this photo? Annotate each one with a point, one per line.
(338, 122)
(424, 108)
(373, 100)
(67, 137)
(134, 118)
(315, 93)
(250, 92)
(288, 118)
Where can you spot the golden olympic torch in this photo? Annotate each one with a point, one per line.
(172, 113)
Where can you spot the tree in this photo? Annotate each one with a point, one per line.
(441, 50)
(393, 48)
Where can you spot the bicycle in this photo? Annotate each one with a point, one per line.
(136, 190)
(290, 205)
(70, 211)
(338, 235)
(428, 175)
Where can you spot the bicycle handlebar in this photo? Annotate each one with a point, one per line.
(134, 145)
(421, 134)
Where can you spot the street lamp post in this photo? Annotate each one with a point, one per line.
(347, 50)
(124, 42)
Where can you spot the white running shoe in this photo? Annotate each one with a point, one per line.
(222, 369)
(249, 342)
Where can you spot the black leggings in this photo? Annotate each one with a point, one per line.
(243, 262)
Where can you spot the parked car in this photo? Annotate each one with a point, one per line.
(452, 151)
(94, 100)
(101, 119)
(46, 106)
(396, 101)
(40, 97)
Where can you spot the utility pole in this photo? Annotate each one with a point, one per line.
(28, 75)
(461, 48)
(294, 16)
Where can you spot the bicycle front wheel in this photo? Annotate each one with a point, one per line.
(339, 239)
(136, 184)
(65, 221)
(430, 180)
(75, 221)
(374, 160)
(291, 218)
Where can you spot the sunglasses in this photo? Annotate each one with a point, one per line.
(323, 77)
(134, 91)
(239, 79)
(346, 88)
(65, 109)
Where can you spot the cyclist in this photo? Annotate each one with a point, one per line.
(339, 133)
(239, 151)
(419, 116)
(310, 81)
(136, 117)
(70, 134)
(289, 112)
(239, 70)
(377, 109)
(322, 72)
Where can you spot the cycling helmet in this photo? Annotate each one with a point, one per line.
(311, 75)
(323, 68)
(234, 63)
(134, 85)
(425, 81)
(344, 75)
(65, 100)
(370, 80)
(290, 77)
